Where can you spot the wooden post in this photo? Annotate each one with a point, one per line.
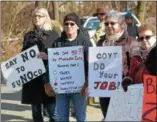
(90, 100)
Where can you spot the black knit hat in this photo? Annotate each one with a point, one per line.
(72, 17)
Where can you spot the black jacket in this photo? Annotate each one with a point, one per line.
(150, 62)
(81, 39)
(33, 92)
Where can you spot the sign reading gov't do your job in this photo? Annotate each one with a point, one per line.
(105, 70)
(66, 69)
(22, 68)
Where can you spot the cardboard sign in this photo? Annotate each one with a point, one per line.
(66, 69)
(126, 106)
(22, 68)
(105, 70)
(149, 102)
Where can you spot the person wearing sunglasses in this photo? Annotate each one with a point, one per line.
(148, 67)
(117, 35)
(72, 36)
(43, 35)
(139, 64)
(100, 13)
(131, 26)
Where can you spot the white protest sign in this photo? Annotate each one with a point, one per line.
(126, 106)
(22, 68)
(105, 70)
(66, 69)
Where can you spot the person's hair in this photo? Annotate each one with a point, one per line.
(146, 27)
(117, 16)
(48, 24)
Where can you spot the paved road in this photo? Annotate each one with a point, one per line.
(13, 110)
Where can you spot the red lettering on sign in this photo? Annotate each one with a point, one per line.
(105, 85)
(112, 86)
(97, 84)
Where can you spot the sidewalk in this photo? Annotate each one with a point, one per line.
(93, 113)
(13, 110)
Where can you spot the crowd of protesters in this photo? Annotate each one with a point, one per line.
(138, 51)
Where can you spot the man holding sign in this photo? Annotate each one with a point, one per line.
(70, 60)
(73, 37)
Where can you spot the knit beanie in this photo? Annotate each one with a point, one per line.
(128, 15)
(72, 17)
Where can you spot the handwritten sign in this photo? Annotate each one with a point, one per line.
(149, 102)
(105, 70)
(22, 68)
(126, 106)
(66, 68)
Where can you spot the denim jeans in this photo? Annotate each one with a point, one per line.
(37, 112)
(63, 106)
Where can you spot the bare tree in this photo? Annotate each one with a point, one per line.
(141, 11)
(56, 10)
(117, 5)
(39, 4)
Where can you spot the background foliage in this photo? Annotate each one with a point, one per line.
(16, 17)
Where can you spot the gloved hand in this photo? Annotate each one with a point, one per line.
(49, 90)
(42, 55)
(126, 82)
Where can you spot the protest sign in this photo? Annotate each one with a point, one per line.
(66, 69)
(105, 70)
(22, 68)
(126, 106)
(149, 102)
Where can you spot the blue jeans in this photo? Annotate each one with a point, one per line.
(37, 112)
(63, 106)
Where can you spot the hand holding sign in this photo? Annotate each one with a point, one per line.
(83, 90)
(49, 90)
(42, 55)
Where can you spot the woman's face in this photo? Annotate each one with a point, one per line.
(146, 39)
(39, 19)
(70, 27)
(112, 26)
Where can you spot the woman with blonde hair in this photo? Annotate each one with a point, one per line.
(36, 91)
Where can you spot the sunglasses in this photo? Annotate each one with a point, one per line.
(69, 23)
(39, 16)
(145, 37)
(101, 14)
(111, 23)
